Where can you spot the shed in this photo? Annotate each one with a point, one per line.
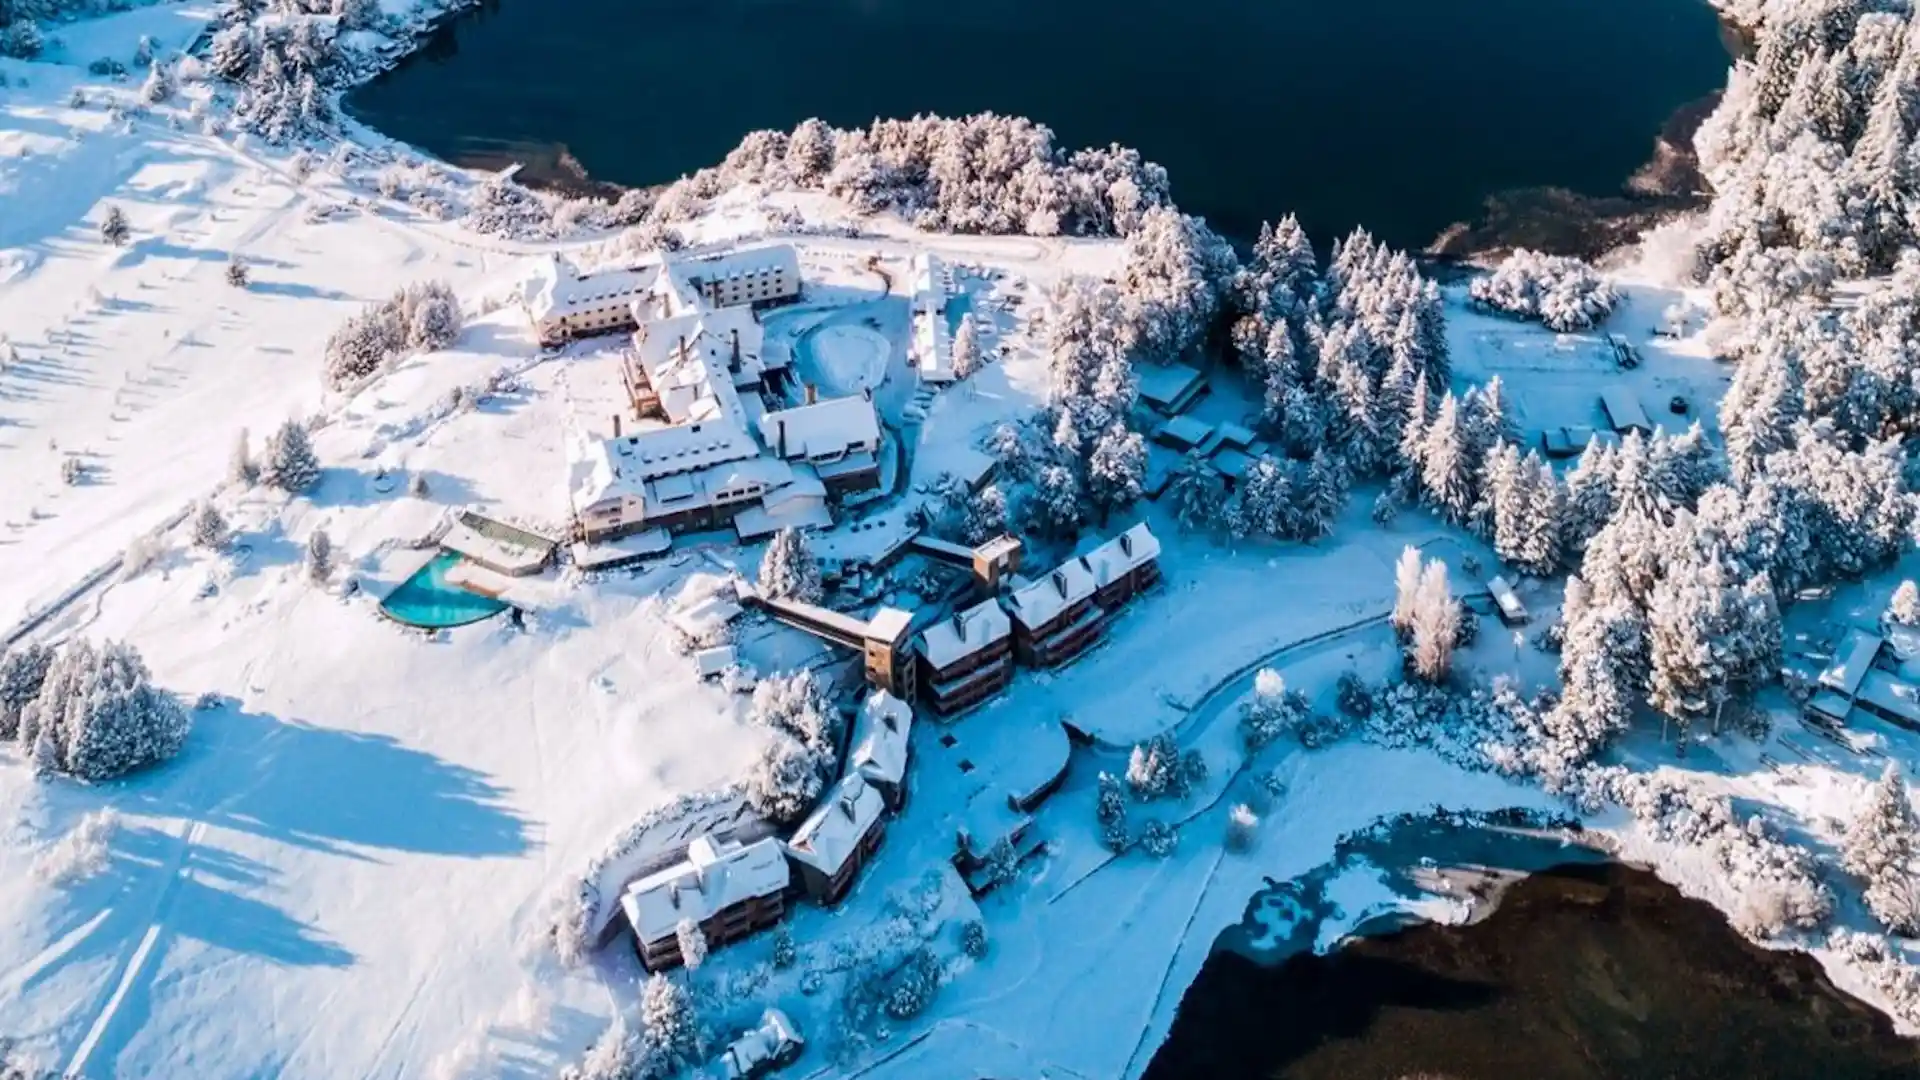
(1852, 663)
(1170, 389)
(712, 662)
(1828, 707)
(1507, 602)
(1624, 412)
(1890, 698)
(1182, 432)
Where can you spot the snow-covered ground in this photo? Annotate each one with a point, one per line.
(347, 872)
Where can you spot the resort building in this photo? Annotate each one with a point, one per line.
(726, 888)
(1064, 613)
(705, 451)
(564, 304)
(880, 746)
(837, 839)
(967, 658)
(838, 438)
(1860, 679)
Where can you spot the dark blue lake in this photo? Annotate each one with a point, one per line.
(1403, 115)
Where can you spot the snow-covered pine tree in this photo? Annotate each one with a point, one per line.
(23, 669)
(98, 715)
(358, 14)
(1540, 552)
(288, 461)
(114, 228)
(788, 570)
(1116, 469)
(237, 275)
(319, 556)
(240, 467)
(1052, 508)
(1197, 496)
(159, 84)
(783, 782)
(1879, 850)
(1322, 497)
(966, 348)
(1447, 459)
(1505, 502)
(1153, 768)
(1436, 625)
(670, 1026)
(1904, 608)
(1406, 594)
(1263, 504)
(693, 943)
(1111, 803)
(210, 528)
(1589, 499)
(432, 314)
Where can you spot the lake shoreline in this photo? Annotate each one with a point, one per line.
(1600, 957)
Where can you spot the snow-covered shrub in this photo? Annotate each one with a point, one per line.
(693, 943)
(788, 570)
(1904, 608)
(1153, 768)
(417, 486)
(973, 939)
(23, 669)
(1886, 968)
(784, 952)
(671, 1027)
(1158, 838)
(1243, 824)
(1111, 802)
(98, 715)
(114, 228)
(241, 469)
(210, 529)
(1355, 697)
(911, 986)
(784, 781)
(422, 316)
(319, 559)
(288, 461)
(1273, 710)
(1114, 835)
(1879, 850)
(159, 84)
(1562, 292)
(81, 853)
(72, 470)
(237, 275)
(21, 39)
(1385, 509)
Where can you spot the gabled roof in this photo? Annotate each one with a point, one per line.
(829, 836)
(965, 633)
(717, 875)
(823, 429)
(1123, 554)
(1852, 662)
(1062, 587)
(880, 739)
(558, 289)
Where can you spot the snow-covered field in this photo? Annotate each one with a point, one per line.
(348, 872)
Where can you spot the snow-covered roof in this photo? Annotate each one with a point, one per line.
(824, 429)
(694, 362)
(1892, 697)
(933, 346)
(888, 624)
(557, 288)
(830, 835)
(756, 522)
(1623, 410)
(603, 469)
(929, 283)
(1122, 555)
(716, 875)
(774, 258)
(1509, 601)
(711, 662)
(1852, 663)
(965, 633)
(1037, 604)
(752, 1053)
(1183, 432)
(880, 738)
(1167, 385)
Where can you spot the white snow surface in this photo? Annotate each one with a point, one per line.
(348, 871)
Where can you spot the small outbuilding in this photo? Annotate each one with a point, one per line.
(1624, 411)
(1170, 389)
(773, 1045)
(1507, 602)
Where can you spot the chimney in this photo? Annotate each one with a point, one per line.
(960, 626)
(1126, 543)
(616, 425)
(1060, 583)
(813, 393)
(736, 350)
(680, 355)
(780, 446)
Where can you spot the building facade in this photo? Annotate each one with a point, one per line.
(967, 658)
(728, 889)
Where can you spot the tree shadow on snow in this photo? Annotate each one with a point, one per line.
(338, 791)
(296, 291)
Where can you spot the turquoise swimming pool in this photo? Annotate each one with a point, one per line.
(429, 600)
